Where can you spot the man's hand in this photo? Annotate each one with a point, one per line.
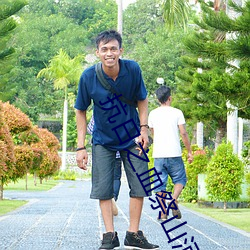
(143, 139)
(82, 159)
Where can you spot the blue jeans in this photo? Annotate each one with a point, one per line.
(117, 177)
(172, 166)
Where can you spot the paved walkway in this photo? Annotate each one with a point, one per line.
(65, 218)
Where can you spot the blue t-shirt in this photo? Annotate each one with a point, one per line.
(116, 123)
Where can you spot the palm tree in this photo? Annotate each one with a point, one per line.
(176, 12)
(63, 71)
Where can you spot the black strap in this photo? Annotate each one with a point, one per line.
(106, 85)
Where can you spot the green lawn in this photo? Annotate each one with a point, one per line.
(20, 185)
(239, 218)
(10, 205)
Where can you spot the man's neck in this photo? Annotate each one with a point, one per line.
(112, 72)
(165, 104)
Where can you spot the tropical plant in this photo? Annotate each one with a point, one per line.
(176, 13)
(63, 71)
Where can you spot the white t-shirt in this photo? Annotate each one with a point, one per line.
(165, 121)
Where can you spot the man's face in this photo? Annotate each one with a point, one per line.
(109, 53)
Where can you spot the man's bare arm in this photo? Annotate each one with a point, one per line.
(81, 124)
(185, 139)
(143, 115)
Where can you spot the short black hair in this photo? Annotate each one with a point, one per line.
(163, 93)
(107, 36)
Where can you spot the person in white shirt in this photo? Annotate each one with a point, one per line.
(167, 124)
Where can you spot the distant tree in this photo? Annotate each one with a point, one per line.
(209, 79)
(136, 26)
(45, 27)
(7, 25)
(237, 75)
(158, 52)
(147, 41)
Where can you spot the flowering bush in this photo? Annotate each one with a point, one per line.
(24, 159)
(198, 166)
(49, 144)
(16, 120)
(28, 137)
(24, 148)
(7, 158)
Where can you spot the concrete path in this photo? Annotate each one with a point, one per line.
(65, 218)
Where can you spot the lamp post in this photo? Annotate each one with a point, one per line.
(160, 80)
(119, 19)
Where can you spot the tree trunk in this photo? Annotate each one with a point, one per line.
(1, 190)
(64, 144)
(26, 181)
(225, 205)
(220, 134)
(35, 179)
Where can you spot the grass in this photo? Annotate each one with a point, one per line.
(20, 185)
(239, 217)
(7, 206)
(10, 205)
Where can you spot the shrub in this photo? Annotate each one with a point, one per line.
(247, 176)
(65, 175)
(246, 153)
(224, 174)
(198, 166)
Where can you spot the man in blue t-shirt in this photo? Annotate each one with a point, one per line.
(116, 126)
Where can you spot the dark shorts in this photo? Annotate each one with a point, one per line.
(173, 167)
(103, 164)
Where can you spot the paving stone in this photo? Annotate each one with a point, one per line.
(66, 218)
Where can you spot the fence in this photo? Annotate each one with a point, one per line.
(71, 162)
